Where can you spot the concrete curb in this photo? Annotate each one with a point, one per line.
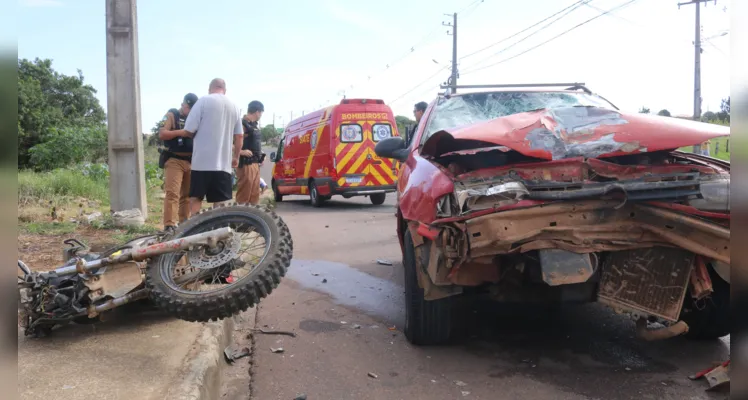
(202, 375)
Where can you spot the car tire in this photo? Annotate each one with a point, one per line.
(427, 322)
(276, 194)
(314, 198)
(709, 318)
(378, 198)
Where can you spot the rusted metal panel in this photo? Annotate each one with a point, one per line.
(701, 283)
(594, 226)
(647, 281)
(561, 267)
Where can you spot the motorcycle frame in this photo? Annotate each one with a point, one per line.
(138, 253)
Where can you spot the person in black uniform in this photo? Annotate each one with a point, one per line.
(176, 159)
(418, 111)
(250, 157)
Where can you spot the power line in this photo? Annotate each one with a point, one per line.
(575, 5)
(419, 85)
(553, 38)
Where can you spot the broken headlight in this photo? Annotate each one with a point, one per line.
(715, 195)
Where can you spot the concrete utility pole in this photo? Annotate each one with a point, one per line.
(697, 62)
(127, 173)
(453, 78)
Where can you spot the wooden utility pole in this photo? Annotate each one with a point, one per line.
(126, 168)
(697, 62)
(453, 78)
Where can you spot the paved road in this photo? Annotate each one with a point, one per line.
(348, 313)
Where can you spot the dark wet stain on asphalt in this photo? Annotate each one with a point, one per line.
(584, 349)
(350, 287)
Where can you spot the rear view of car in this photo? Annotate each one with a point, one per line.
(360, 125)
(554, 195)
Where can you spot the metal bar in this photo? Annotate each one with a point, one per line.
(512, 85)
(209, 238)
(119, 301)
(26, 270)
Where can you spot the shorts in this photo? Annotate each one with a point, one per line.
(215, 186)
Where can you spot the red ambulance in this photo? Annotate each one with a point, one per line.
(331, 152)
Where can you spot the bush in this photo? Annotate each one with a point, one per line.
(69, 146)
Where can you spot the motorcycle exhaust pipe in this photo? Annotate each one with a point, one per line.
(210, 238)
(93, 311)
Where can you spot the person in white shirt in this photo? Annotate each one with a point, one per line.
(215, 124)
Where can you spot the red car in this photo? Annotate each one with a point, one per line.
(551, 194)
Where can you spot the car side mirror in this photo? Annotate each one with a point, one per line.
(272, 156)
(392, 147)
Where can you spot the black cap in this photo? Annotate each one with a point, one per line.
(190, 99)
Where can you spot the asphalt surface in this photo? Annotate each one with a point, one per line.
(347, 310)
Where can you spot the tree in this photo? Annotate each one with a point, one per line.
(48, 102)
(269, 133)
(644, 110)
(724, 110)
(708, 116)
(403, 124)
(664, 113)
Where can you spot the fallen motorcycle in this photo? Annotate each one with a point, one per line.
(194, 274)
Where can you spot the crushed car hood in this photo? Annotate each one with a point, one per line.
(559, 133)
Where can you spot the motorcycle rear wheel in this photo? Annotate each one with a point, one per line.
(247, 291)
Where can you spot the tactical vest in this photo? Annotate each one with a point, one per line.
(178, 144)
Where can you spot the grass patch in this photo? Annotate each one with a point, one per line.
(49, 228)
(60, 186)
(719, 148)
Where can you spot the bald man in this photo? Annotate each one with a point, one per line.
(215, 124)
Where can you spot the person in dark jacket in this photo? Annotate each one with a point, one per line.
(418, 111)
(176, 160)
(250, 157)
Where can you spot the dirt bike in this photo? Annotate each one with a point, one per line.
(203, 252)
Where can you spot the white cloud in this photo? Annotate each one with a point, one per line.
(41, 3)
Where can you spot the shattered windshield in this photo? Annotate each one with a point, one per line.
(472, 108)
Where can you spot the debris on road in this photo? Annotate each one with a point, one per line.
(343, 322)
(383, 262)
(356, 326)
(465, 393)
(315, 274)
(233, 354)
(718, 377)
(324, 280)
(373, 375)
(300, 397)
(266, 332)
(278, 350)
(460, 383)
(392, 328)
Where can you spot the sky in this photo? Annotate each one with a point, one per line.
(298, 56)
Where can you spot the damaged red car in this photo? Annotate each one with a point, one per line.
(552, 194)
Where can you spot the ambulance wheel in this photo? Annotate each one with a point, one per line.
(314, 198)
(378, 198)
(276, 194)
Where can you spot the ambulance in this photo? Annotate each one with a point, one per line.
(331, 152)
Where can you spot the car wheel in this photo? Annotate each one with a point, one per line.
(314, 197)
(378, 198)
(276, 194)
(708, 318)
(427, 322)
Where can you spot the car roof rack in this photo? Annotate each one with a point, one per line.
(569, 86)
